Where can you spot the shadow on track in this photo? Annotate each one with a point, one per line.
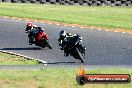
(28, 48)
(62, 63)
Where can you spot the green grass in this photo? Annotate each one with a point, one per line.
(6, 59)
(55, 77)
(106, 17)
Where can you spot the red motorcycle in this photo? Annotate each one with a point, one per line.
(41, 40)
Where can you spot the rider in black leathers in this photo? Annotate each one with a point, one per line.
(68, 38)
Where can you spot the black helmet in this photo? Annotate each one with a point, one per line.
(40, 29)
(62, 34)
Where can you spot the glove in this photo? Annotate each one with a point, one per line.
(60, 44)
(61, 48)
(65, 54)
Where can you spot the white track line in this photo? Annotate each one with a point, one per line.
(73, 26)
(42, 22)
(106, 30)
(29, 58)
(64, 25)
(5, 17)
(81, 27)
(123, 32)
(27, 20)
(57, 24)
(34, 21)
(19, 19)
(13, 18)
(99, 29)
(116, 31)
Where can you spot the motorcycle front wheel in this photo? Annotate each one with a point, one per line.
(81, 57)
(49, 45)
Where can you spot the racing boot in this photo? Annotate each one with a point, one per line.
(66, 53)
(30, 41)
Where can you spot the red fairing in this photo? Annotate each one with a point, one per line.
(41, 34)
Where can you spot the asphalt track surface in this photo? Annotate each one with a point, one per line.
(103, 48)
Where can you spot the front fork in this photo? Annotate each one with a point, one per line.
(81, 48)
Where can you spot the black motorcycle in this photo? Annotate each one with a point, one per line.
(75, 49)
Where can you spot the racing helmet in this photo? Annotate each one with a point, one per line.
(62, 34)
(29, 25)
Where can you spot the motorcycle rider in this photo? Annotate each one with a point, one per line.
(32, 31)
(68, 38)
